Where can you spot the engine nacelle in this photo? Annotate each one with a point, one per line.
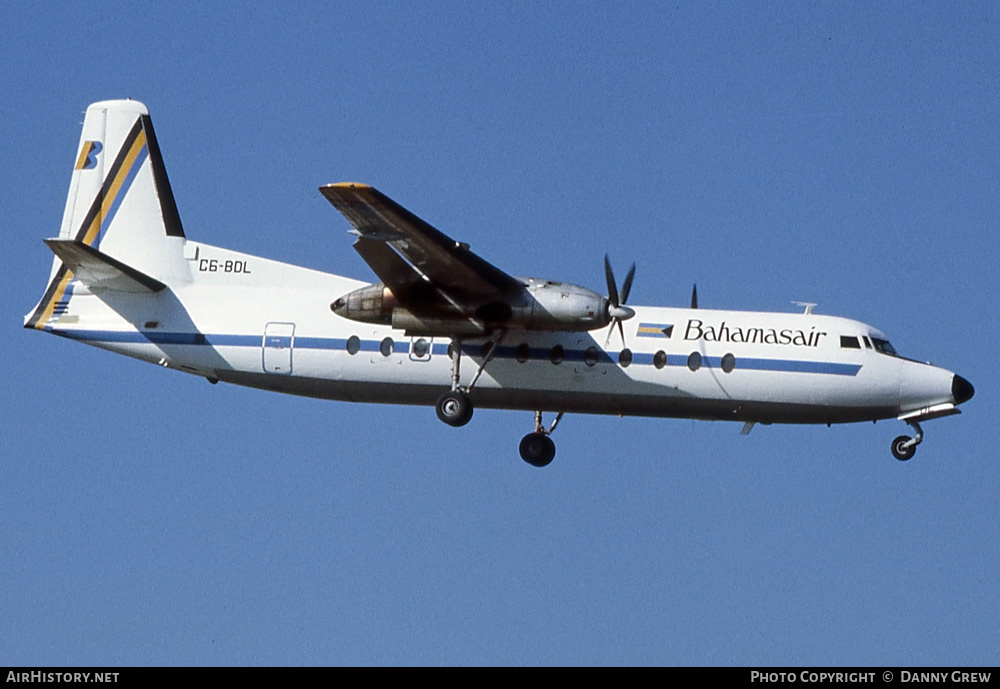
(541, 305)
(549, 305)
(371, 304)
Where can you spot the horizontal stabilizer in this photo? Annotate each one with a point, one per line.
(101, 272)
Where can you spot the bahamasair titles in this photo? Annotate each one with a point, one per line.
(441, 326)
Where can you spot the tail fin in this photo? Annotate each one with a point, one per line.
(119, 203)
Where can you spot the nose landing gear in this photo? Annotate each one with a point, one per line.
(537, 448)
(904, 447)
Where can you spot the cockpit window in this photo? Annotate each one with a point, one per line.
(849, 342)
(884, 347)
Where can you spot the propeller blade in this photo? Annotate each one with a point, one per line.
(694, 296)
(617, 311)
(627, 285)
(609, 276)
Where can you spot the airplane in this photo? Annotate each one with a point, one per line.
(126, 278)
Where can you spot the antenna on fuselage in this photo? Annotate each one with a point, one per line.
(808, 306)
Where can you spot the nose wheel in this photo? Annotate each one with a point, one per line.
(902, 448)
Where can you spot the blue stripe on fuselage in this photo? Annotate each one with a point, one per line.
(502, 352)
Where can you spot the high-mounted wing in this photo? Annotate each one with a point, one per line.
(449, 265)
(433, 285)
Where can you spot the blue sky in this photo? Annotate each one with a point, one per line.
(839, 153)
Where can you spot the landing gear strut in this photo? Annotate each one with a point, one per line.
(904, 447)
(454, 407)
(537, 448)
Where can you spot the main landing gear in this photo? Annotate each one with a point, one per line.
(904, 447)
(454, 407)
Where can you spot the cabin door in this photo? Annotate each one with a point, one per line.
(278, 341)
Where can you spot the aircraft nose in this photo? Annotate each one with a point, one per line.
(961, 389)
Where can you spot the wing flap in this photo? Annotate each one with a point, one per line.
(408, 286)
(398, 275)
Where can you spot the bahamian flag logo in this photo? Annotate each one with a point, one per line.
(656, 330)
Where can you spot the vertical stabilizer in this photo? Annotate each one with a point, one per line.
(119, 203)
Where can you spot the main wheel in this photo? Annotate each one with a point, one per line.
(899, 451)
(537, 449)
(454, 408)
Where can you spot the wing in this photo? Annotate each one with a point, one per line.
(448, 265)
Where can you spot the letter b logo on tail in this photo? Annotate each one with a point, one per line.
(88, 155)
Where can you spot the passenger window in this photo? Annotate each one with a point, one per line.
(386, 346)
(728, 363)
(694, 361)
(625, 358)
(590, 356)
(353, 345)
(556, 354)
(660, 359)
(523, 352)
(849, 342)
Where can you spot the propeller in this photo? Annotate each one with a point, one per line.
(617, 310)
(694, 296)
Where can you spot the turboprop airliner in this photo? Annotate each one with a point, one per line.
(126, 278)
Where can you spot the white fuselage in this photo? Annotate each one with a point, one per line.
(256, 322)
